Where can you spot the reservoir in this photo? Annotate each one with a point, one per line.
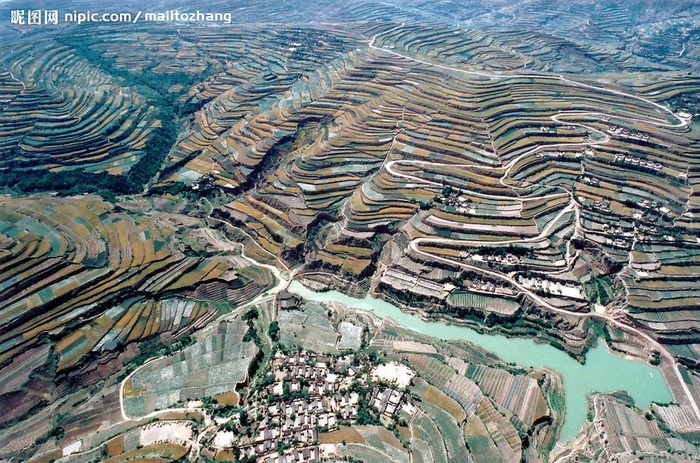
(603, 372)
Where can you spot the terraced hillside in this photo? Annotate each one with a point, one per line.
(460, 187)
(83, 281)
(516, 166)
(623, 426)
(60, 112)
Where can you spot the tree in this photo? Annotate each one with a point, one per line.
(273, 331)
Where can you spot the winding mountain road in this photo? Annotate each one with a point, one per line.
(571, 206)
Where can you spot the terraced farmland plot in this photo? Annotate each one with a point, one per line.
(426, 428)
(133, 321)
(308, 328)
(492, 430)
(521, 395)
(477, 437)
(449, 431)
(158, 452)
(461, 389)
(207, 368)
(379, 445)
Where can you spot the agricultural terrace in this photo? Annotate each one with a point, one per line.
(207, 368)
(496, 195)
(616, 426)
(112, 277)
(60, 113)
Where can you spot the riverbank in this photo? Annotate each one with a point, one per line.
(603, 370)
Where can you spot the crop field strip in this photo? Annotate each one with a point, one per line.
(519, 394)
(434, 418)
(121, 326)
(379, 446)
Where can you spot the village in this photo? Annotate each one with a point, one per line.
(304, 394)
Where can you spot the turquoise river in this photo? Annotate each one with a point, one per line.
(603, 371)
